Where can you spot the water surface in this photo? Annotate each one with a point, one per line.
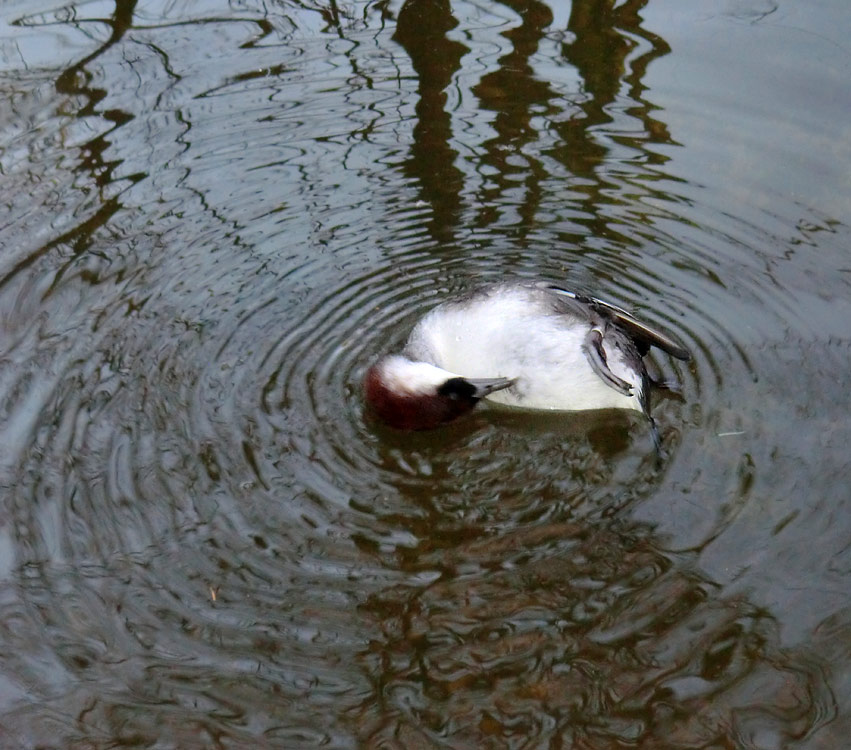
(215, 215)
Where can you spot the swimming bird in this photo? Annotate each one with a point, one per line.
(526, 344)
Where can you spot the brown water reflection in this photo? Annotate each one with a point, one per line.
(215, 215)
(421, 29)
(606, 643)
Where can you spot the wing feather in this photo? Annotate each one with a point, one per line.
(643, 334)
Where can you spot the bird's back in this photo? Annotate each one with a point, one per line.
(527, 333)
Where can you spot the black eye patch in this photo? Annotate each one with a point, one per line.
(457, 389)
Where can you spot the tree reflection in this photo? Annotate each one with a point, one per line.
(76, 79)
(93, 163)
(606, 643)
(536, 124)
(515, 93)
(421, 29)
(604, 53)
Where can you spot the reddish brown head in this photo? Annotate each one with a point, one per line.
(418, 396)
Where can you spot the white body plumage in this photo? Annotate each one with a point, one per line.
(514, 332)
(527, 344)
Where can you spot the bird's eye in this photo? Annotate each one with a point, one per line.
(456, 389)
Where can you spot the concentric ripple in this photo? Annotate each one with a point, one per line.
(215, 218)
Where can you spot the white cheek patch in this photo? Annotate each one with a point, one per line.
(404, 376)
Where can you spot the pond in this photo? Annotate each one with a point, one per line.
(215, 215)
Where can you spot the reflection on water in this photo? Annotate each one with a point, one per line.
(216, 214)
(422, 30)
(601, 642)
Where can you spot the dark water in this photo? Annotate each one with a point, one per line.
(214, 215)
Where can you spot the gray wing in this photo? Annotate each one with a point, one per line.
(641, 333)
(597, 359)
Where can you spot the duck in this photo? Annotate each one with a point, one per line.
(531, 345)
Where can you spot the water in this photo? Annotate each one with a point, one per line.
(215, 215)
